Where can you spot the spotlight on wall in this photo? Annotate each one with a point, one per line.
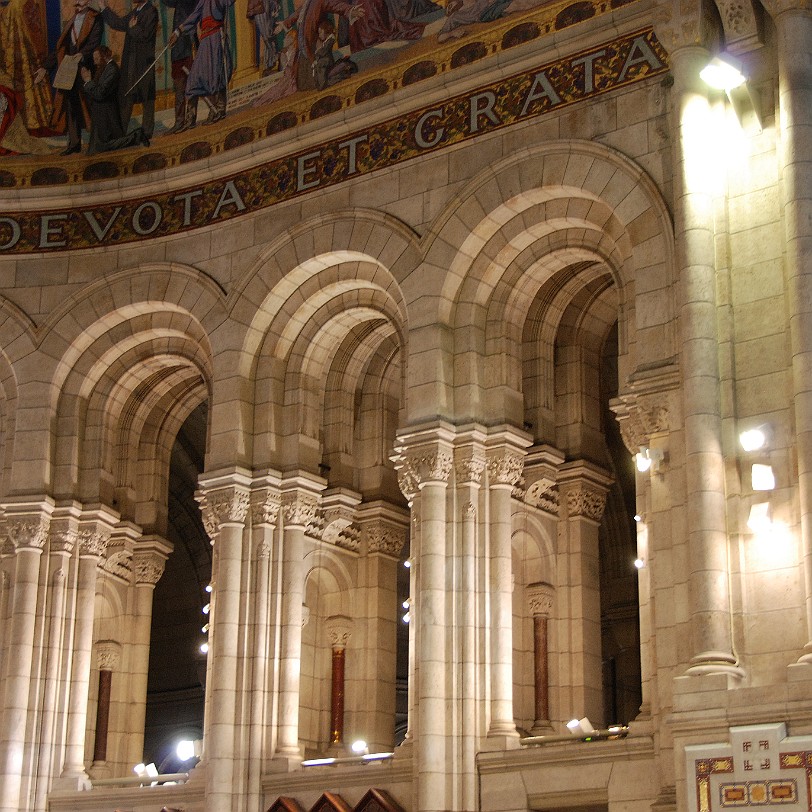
(146, 772)
(762, 477)
(649, 458)
(407, 563)
(407, 617)
(206, 608)
(760, 520)
(208, 587)
(724, 72)
(755, 439)
(204, 648)
(639, 563)
(580, 727)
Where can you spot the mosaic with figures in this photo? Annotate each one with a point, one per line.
(147, 84)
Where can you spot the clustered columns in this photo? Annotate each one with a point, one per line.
(793, 25)
(108, 656)
(583, 488)
(299, 503)
(224, 502)
(540, 601)
(704, 463)
(339, 628)
(28, 531)
(505, 456)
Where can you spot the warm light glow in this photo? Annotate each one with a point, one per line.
(762, 477)
(759, 520)
(205, 629)
(643, 462)
(638, 517)
(723, 72)
(204, 648)
(206, 608)
(359, 747)
(407, 563)
(753, 439)
(639, 563)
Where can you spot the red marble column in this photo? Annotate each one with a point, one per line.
(540, 600)
(338, 630)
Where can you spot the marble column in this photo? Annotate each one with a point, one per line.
(61, 542)
(28, 532)
(148, 563)
(339, 629)
(298, 510)
(429, 458)
(108, 656)
(583, 488)
(265, 505)
(712, 649)
(224, 502)
(793, 24)
(93, 536)
(469, 468)
(540, 603)
(505, 462)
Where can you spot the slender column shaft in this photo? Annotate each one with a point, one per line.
(102, 715)
(221, 688)
(541, 672)
(18, 676)
(468, 593)
(337, 697)
(74, 765)
(431, 649)
(292, 596)
(704, 463)
(502, 723)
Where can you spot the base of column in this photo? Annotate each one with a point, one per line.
(284, 763)
(806, 657)
(100, 769)
(715, 662)
(74, 781)
(501, 741)
(542, 727)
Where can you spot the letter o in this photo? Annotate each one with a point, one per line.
(157, 215)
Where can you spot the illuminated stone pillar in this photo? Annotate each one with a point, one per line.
(339, 629)
(224, 503)
(148, 563)
(108, 656)
(298, 510)
(469, 467)
(540, 602)
(27, 531)
(428, 455)
(793, 25)
(704, 463)
(505, 462)
(265, 506)
(94, 533)
(583, 488)
(61, 543)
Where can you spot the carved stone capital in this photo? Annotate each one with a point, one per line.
(221, 506)
(407, 482)
(28, 531)
(108, 655)
(505, 466)
(92, 541)
(778, 7)
(583, 500)
(299, 508)
(540, 599)
(336, 520)
(384, 537)
(429, 464)
(640, 417)
(339, 629)
(469, 465)
(265, 507)
(149, 567)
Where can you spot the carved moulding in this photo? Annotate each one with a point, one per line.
(540, 598)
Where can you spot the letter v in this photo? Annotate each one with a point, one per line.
(100, 232)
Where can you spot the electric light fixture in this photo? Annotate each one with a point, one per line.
(754, 439)
(639, 563)
(649, 458)
(723, 72)
(760, 520)
(359, 747)
(580, 727)
(762, 477)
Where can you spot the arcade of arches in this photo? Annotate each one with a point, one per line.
(375, 446)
